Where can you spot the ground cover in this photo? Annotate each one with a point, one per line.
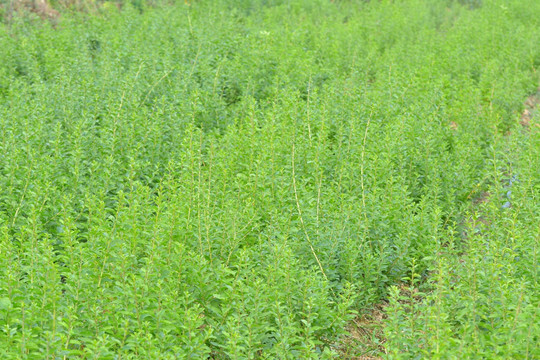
(242, 180)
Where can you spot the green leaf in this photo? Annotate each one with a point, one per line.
(5, 304)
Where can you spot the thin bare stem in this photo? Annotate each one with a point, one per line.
(302, 220)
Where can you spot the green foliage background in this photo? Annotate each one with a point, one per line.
(235, 180)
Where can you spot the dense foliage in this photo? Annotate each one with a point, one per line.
(238, 179)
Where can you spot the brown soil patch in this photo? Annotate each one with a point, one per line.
(531, 105)
(365, 338)
(39, 7)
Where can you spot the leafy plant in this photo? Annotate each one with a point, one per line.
(239, 180)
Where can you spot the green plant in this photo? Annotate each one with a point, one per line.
(238, 180)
